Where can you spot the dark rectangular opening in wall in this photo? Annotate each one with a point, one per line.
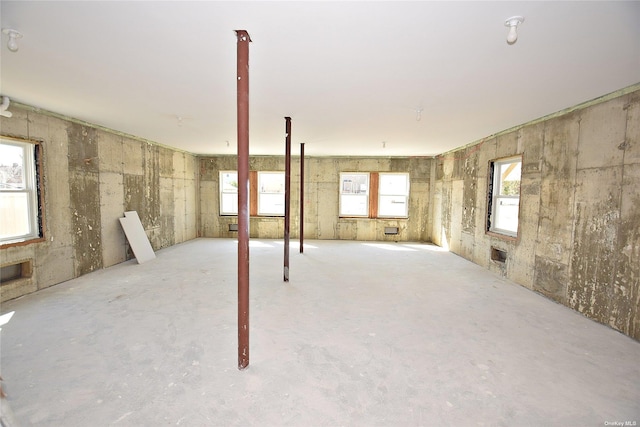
(233, 227)
(15, 271)
(390, 230)
(498, 255)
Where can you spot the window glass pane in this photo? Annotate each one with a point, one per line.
(229, 182)
(510, 178)
(393, 195)
(506, 217)
(229, 204)
(228, 193)
(14, 211)
(271, 193)
(392, 206)
(354, 183)
(354, 194)
(354, 205)
(12, 167)
(393, 183)
(505, 199)
(271, 182)
(271, 204)
(19, 213)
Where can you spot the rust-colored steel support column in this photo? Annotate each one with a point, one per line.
(287, 194)
(302, 197)
(243, 198)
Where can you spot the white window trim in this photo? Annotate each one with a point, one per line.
(222, 192)
(342, 194)
(496, 197)
(405, 196)
(262, 212)
(31, 189)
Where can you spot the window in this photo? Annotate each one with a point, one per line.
(393, 195)
(228, 193)
(271, 193)
(19, 198)
(266, 195)
(354, 194)
(504, 202)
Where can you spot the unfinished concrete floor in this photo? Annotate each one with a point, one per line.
(364, 334)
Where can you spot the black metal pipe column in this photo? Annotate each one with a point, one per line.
(243, 198)
(287, 195)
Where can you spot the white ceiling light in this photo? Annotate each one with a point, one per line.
(513, 23)
(14, 35)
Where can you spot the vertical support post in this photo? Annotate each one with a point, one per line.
(287, 195)
(243, 198)
(302, 197)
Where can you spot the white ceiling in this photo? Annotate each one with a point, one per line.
(350, 74)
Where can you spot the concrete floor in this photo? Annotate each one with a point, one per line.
(364, 334)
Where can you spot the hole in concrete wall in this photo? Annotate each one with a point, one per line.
(233, 227)
(498, 255)
(390, 230)
(15, 271)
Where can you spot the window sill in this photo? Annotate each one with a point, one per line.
(21, 243)
(501, 236)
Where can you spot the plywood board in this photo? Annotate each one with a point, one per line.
(137, 237)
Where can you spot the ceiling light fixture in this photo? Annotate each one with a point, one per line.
(513, 23)
(14, 35)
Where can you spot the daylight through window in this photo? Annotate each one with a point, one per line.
(504, 204)
(393, 195)
(228, 193)
(354, 194)
(271, 193)
(19, 208)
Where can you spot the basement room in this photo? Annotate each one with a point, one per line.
(319, 213)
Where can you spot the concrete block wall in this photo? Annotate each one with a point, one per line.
(579, 224)
(321, 215)
(91, 177)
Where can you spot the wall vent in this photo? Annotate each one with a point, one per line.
(15, 271)
(233, 227)
(498, 255)
(390, 230)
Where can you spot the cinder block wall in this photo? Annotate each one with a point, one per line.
(579, 236)
(91, 177)
(321, 219)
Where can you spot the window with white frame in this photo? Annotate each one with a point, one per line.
(271, 193)
(504, 201)
(228, 193)
(354, 194)
(20, 211)
(393, 195)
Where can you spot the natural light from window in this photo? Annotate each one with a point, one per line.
(354, 194)
(393, 195)
(271, 193)
(505, 201)
(18, 192)
(228, 193)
